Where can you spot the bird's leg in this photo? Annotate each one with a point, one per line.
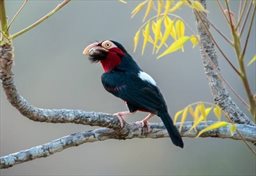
(144, 122)
(121, 116)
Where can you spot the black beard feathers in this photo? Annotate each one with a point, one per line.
(98, 57)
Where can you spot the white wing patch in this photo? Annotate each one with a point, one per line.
(146, 77)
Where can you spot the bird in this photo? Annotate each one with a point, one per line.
(124, 78)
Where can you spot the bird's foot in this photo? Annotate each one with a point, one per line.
(144, 124)
(121, 116)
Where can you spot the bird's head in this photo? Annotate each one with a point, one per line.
(108, 52)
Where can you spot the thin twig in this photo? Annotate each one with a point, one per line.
(246, 18)
(214, 41)
(17, 13)
(248, 34)
(226, 82)
(241, 14)
(222, 10)
(238, 132)
(57, 8)
(217, 30)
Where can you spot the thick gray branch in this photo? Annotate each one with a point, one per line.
(131, 131)
(210, 62)
(46, 115)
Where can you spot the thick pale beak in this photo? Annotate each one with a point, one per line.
(88, 48)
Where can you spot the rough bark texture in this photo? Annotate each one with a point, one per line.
(111, 123)
(131, 131)
(210, 62)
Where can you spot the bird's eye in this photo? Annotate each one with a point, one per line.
(107, 45)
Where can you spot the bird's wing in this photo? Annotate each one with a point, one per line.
(138, 93)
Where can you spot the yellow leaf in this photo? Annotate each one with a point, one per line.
(213, 127)
(157, 33)
(252, 60)
(176, 6)
(207, 111)
(232, 129)
(149, 7)
(217, 111)
(167, 21)
(177, 115)
(167, 7)
(167, 32)
(159, 7)
(194, 40)
(197, 122)
(136, 40)
(202, 109)
(183, 117)
(178, 44)
(146, 33)
(138, 8)
(122, 1)
(180, 28)
(198, 6)
(192, 113)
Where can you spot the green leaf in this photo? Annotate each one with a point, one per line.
(178, 44)
(252, 60)
(213, 127)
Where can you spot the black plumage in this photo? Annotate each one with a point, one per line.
(125, 80)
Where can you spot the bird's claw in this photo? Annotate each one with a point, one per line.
(143, 124)
(120, 117)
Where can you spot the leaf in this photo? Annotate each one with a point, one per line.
(213, 127)
(159, 7)
(167, 7)
(207, 111)
(149, 7)
(217, 112)
(136, 40)
(252, 60)
(198, 6)
(192, 113)
(183, 117)
(194, 40)
(167, 32)
(197, 122)
(232, 129)
(122, 1)
(138, 8)
(202, 109)
(177, 115)
(157, 32)
(176, 6)
(178, 44)
(146, 33)
(180, 28)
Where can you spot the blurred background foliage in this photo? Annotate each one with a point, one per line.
(52, 72)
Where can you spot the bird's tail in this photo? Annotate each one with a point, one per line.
(172, 130)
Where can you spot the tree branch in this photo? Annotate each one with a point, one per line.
(157, 130)
(220, 93)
